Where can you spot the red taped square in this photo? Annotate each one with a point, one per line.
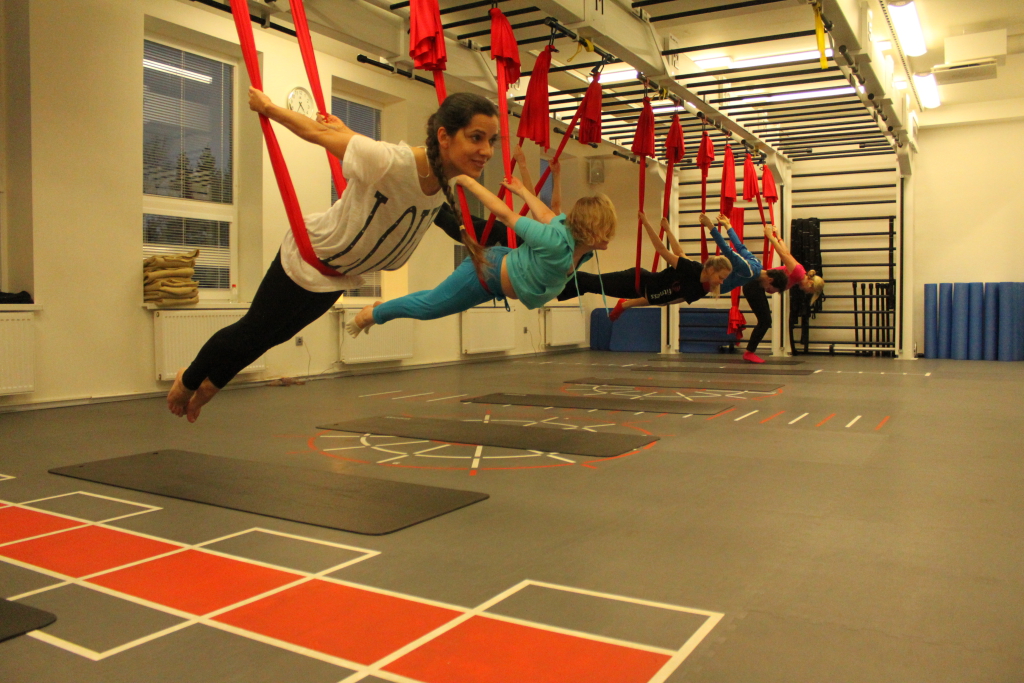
(86, 550)
(17, 523)
(354, 624)
(483, 650)
(194, 581)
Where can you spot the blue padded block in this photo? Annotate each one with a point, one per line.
(991, 320)
(638, 329)
(959, 321)
(600, 330)
(1007, 297)
(945, 319)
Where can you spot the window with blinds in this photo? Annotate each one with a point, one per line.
(364, 120)
(188, 176)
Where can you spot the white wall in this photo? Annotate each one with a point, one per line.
(967, 198)
(77, 163)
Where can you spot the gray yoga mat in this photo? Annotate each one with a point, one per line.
(544, 439)
(17, 619)
(717, 359)
(685, 367)
(362, 505)
(670, 382)
(649, 405)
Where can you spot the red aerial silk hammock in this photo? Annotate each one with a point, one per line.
(643, 145)
(534, 121)
(505, 51)
(736, 319)
(240, 12)
(728, 195)
(675, 148)
(771, 195)
(751, 190)
(705, 155)
(427, 49)
(590, 112)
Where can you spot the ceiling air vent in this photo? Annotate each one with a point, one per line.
(979, 70)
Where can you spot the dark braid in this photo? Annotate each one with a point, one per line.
(454, 114)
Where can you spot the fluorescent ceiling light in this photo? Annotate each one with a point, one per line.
(884, 45)
(618, 76)
(908, 28)
(667, 110)
(802, 95)
(176, 71)
(927, 90)
(779, 59)
(713, 62)
(899, 84)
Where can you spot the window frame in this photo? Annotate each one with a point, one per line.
(379, 106)
(193, 208)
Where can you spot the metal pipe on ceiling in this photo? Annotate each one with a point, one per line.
(747, 79)
(733, 43)
(704, 10)
(487, 17)
(749, 88)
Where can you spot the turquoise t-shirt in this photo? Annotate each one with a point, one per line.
(542, 264)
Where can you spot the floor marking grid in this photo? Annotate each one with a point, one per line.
(361, 670)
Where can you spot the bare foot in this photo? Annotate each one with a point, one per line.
(179, 395)
(206, 391)
(362, 321)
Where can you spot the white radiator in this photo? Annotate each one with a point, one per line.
(17, 353)
(488, 329)
(178, 336)
(564, 325)
(393, 341)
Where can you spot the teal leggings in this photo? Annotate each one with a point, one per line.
(459, 292)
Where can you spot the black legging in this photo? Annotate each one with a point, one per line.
(278, 312)
(620, 284)
(755, 295)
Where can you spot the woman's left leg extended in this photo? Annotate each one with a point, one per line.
(755, 295)
(459, 292)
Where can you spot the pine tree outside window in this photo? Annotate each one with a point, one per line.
(188, 156)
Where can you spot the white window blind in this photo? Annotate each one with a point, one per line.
(188, 175)
(364, 120)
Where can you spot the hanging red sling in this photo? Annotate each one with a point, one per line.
(505, 52)
(705, 155)
(736, 319)
(675, 148)
(240, 12)
(752, 190)
(771, 195)
(643, 145)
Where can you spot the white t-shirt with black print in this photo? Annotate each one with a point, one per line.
(375, 225)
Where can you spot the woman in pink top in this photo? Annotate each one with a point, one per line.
(792, 274)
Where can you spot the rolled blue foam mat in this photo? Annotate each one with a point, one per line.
(945, 319)
(958, 350)
(931, 321)
(991, 320)
(975, 320)
(1005, 350)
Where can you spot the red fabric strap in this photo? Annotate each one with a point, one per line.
(590, 108)
(240, 12)
(737, 321)
(728, 194)
(675, 148)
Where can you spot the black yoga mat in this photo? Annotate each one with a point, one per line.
(724, 371)
(17, 619)
(362, 505)
(650, 405)
(670, 382)
(544, 439)
(717, 359)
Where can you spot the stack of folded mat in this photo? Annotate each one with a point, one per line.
(167, 280)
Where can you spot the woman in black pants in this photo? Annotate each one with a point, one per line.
(681, 280)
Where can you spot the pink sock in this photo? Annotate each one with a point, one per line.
(751, 357)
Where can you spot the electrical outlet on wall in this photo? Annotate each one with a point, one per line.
(525, 330)
(298, 341)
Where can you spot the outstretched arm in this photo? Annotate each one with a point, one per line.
(556, 185)
(539, 209)
(524, 172)
(334, 138)
(669, 257)
(781, 249)
(489, 199)
(677, 248)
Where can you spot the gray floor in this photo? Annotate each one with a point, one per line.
(838, 548)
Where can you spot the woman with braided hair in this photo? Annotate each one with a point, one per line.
(393, 194)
